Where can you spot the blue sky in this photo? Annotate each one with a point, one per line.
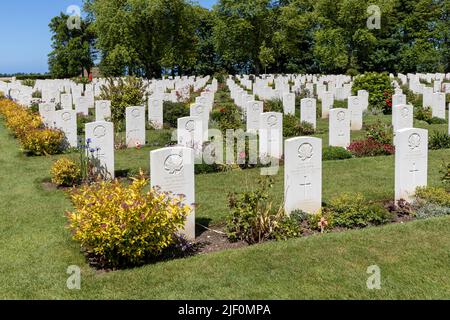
(24, 32)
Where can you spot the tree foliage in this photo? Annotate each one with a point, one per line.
(152, 37)
(72, 48)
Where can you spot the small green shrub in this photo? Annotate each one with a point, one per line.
(379, 87)
(29, 82)
(174, 110)
(423, 113)
(127, 92)
(227, 116)
(254, 219)
(434, 195)
(275, 105)
(439, 140)
(380, 132)
(436, 120)
(354, 211)
(37, 94)
(336, 153)
(292, 127)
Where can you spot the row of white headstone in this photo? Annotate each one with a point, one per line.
(172, 171)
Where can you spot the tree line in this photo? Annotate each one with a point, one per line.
(149, 38)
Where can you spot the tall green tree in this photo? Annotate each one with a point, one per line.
(72, 48)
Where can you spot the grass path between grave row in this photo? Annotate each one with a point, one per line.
(36, 249)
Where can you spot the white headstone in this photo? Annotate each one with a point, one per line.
(202, 112)
(438, 105)
(172, 171)
(339, 129)
(271, 135)
(411, 162)
(155, 113)
(135, 126)
(308, 111)
(102, 110)
(303, 174)
(398, 99)
(66, 121)
(327, 103)
(101, 134)
(289, 103)
(402, 116)
(47, 112)
(190, 134)
(254, 110)
(82, 105)
(356, 113)
(66, 101)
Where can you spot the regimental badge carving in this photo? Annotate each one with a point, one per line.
(356, 101)
(272, 120)
(405, 112)
(190, 126)
(414, 141)
(199, 109)
(174, 164)
(66, 116)
(341, 116)
(99, 131)
(255, 107)
(136, 113)
(305, 151)
(308, 104)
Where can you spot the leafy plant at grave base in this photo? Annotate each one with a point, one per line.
(161, 138)
(439, 140)
(446, 175)
(323, 215)
(431, 210)
(335, 153)
(44, 142)
(174, 110)
(37, 94)
(292, 127)
(123, 93)
(423, 113)
(2, 95)
(28, 82)
(82, 120)
(435, 195)
(127, 226)
(350, 210)
(254, 219)
(66, 173)
(27, 126)
(275, 105)
(436, 120)
(401, 208)
(411, 97)
(90, 167)
(379, 87)
(227, 116)
(380, 132)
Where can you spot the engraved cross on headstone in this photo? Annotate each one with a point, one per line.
(305, 186)
(414, 170)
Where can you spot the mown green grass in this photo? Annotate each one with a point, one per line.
(36, 248)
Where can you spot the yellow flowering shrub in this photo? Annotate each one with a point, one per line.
(123, 224)
(29, 129)
(66, 172)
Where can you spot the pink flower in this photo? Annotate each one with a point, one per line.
(138, 145)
